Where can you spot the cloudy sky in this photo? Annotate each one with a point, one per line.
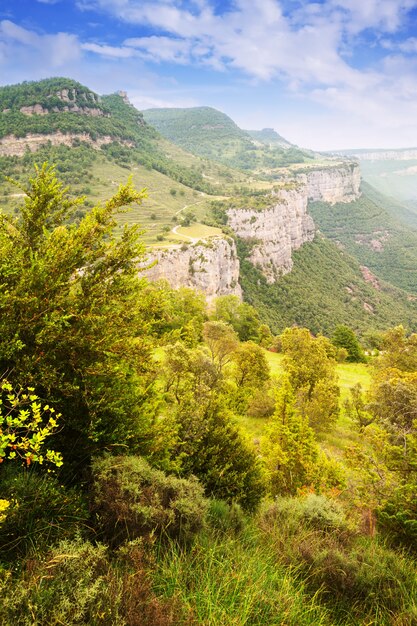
(328, 74)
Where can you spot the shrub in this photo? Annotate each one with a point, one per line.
(226, 517)
(131, 499)
(315, 511)
(78, 584)
(41, 512)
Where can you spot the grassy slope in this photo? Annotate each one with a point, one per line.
(367, 220)
(325, 288)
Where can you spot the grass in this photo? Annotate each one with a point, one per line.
(235, 581)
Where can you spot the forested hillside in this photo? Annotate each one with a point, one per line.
(209, 133)
(160, 467)
(369, 230)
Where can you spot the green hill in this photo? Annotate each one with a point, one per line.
(209, 133)
(369, 230)
(174, 178)
(270, 137)
(325, 288)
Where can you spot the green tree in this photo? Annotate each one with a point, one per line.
(222, 341)
(344, 337)
(70, 324)
(311, 368)
(241, 316)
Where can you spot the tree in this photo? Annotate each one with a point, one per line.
(70, 323)
(222, 341)
(311, 368)
(291, 452)
(344, 337)
(241, 316)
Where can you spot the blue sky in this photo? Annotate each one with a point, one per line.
(326, 75)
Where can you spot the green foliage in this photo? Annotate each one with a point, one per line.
(324, 288)
(70, 325)
(359, 579)
(318, 512)
(242, 317)
(222, 342)
(24, 426)
(82, 583)
(344, 337)
(131, 499)
(225, 463)
(371, 234)
(41, 513)
(311, 368)
(209, 133)
(225, 517)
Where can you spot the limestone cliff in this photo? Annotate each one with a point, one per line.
(210, 266)
(17, 146)
(333, 184)
(275, 231)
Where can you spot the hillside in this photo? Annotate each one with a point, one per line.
(324, 288)
(369, 230)
(96, 142)
(209, 133)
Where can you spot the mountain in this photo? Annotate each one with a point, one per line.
(95, 141)
(269, 137)
(206, 132)
(287, 270)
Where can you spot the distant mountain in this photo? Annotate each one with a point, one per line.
(206, 132)
(269, 137)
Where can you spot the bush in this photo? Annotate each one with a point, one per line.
(78, 584)
(315, 511)
(131, 499)
(226, 517)
(41, 512)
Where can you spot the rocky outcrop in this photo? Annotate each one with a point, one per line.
(333, 184)
(38, 109)
(210, 266)
(275, 232)
(17, 146)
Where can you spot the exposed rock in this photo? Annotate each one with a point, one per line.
(370, 277)
(17, 146)
(211, 267)
(38, 109)
(333, 184)
(275, 231)
(386, 155)
(35, 109)
(368, 307)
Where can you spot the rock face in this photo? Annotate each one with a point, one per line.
(275, 231)
(211, 267)
(38, 109)
(333, 184)
(17, 146)
(386, 155)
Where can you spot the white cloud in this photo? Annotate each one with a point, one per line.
(54, 50)
(108, 51)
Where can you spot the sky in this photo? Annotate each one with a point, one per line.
(326, 75)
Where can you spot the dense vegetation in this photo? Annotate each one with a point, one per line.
(130, 492)
(370, 232)
(209, 133)
(325, 288)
